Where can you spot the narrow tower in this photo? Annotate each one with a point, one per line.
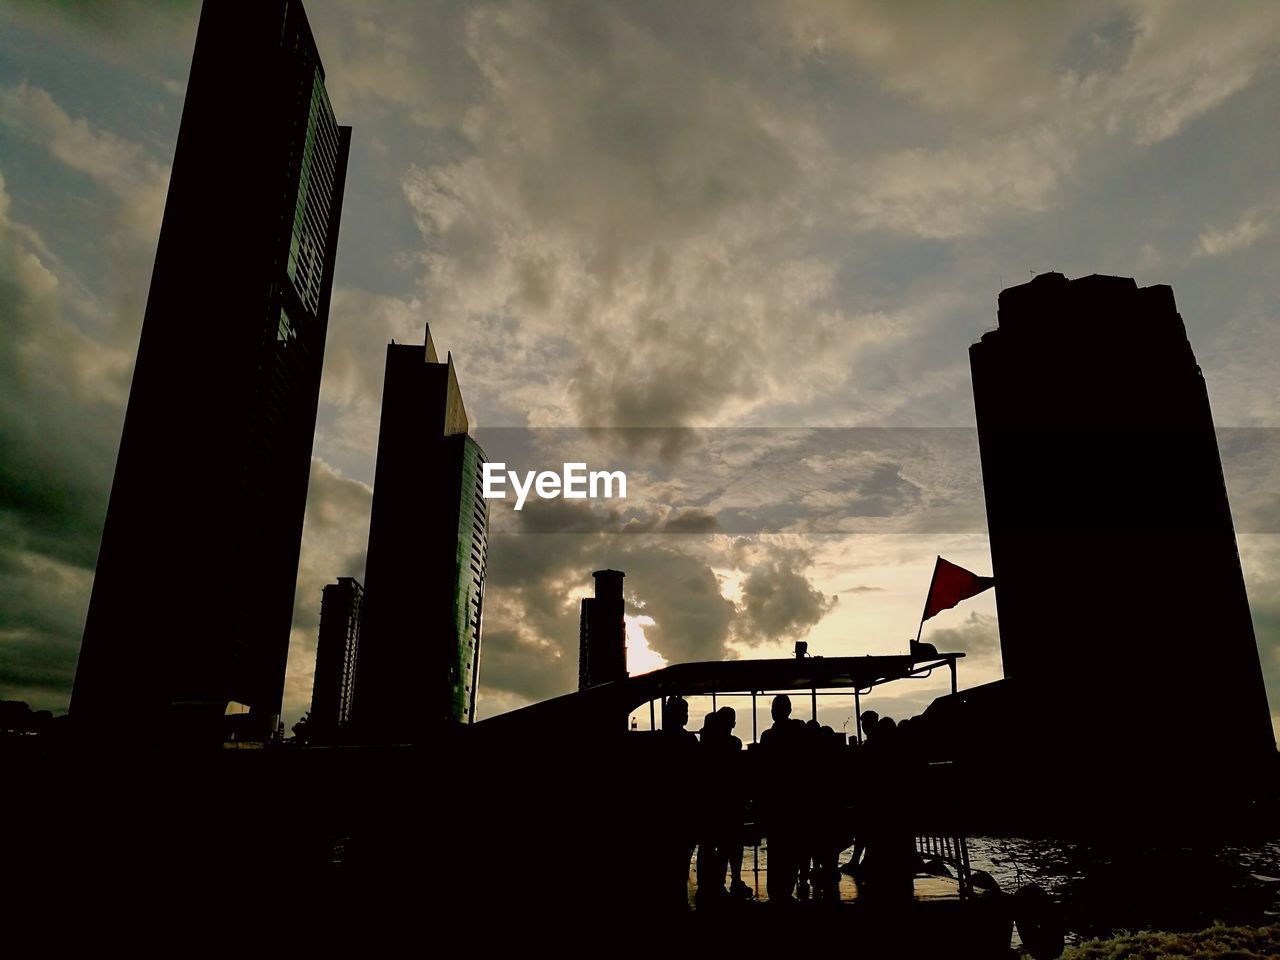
(336, 650)
(602, 632)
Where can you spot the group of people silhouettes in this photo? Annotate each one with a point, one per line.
(798, 805)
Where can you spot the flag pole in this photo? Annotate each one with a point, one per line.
(932, 580)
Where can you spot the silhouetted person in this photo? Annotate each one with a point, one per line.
(870, 719)
(870, 722)
(886, 734)
(827, 838)
(782, 746)
(888, 868)
(729, 716)
(682, 750)
(806, 828)
(737, 887)
(725, 807)
(675, 717)
(713, 793)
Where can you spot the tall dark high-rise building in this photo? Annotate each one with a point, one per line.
(1122, 603)
(419, 660)
(211, 477)
(337, 648)
(602, 632)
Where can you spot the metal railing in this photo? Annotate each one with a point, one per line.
(952, 850)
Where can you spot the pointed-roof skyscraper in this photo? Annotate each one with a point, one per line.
(419, 660)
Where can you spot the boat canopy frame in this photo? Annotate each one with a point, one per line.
(819, 676)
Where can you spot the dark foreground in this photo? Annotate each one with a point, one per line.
(512, 844)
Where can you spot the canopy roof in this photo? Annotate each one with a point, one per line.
(723, 677)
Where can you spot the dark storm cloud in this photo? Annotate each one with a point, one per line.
(127, 171)
(335, 531)
(110, 16)
(622, 176)
(535, 585)
(531, 610)
(147, 38)
(40, 623)
(61, 400)
(1260, 557)
(405, 63)
(1251, 464)
(978, 636)
(57, 419)
(691, 521)
(751, 480)
(361, 325)
(561, 516)
(64, 375)
(512, 664)
(657, 212)
(692, 619)
(532, 602)
(778, 601)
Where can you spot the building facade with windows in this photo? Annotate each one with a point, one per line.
(419, 662)
(211, 479)
(337, 647)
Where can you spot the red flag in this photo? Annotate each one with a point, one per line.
(950, 585)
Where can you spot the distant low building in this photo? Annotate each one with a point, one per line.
(17, 719)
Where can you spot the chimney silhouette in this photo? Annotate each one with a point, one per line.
(602, 635)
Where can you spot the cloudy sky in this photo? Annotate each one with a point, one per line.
(759, 236)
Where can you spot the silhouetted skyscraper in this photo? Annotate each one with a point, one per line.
(1121, 599)
(336, 650)
(215, 455)
(428, 540)
(602, 632)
